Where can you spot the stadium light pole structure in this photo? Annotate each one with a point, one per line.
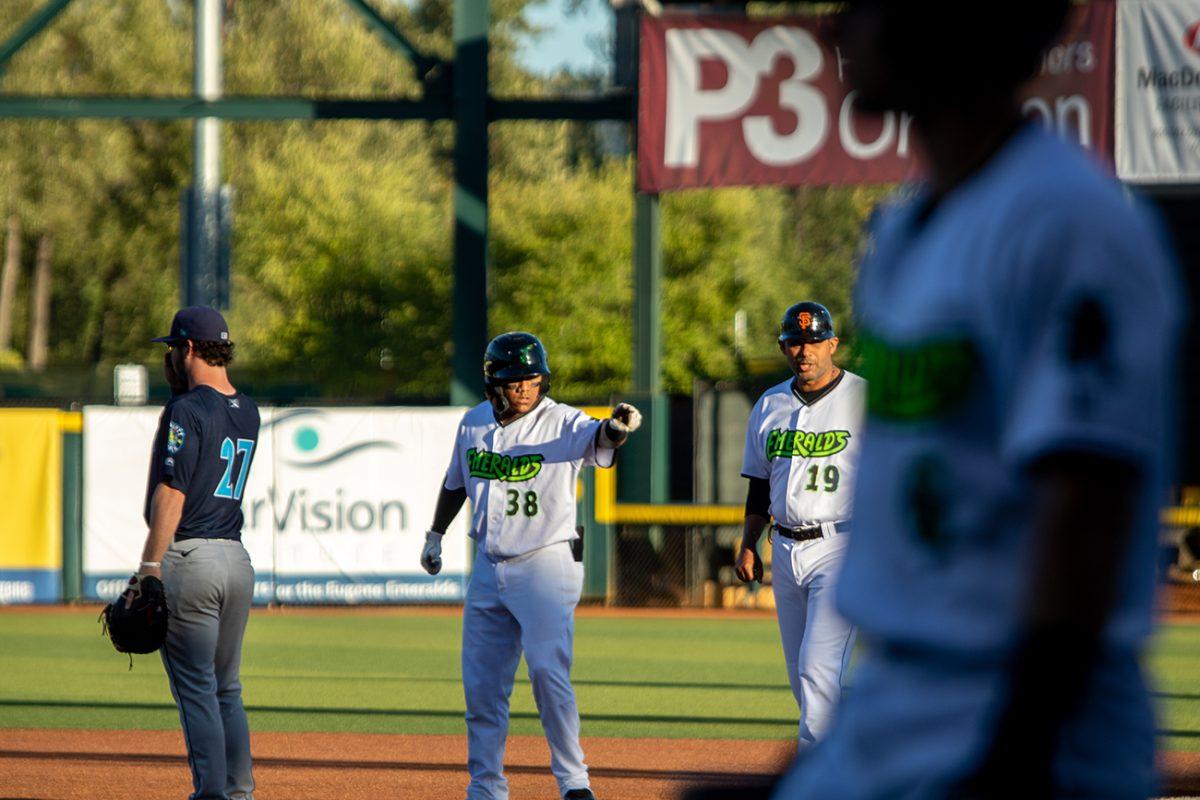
(205, 224)
(455, 91)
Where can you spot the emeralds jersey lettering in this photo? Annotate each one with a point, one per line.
(805, 444)
(498, 467)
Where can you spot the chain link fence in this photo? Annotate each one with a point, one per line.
(693, 567)
(684, 567)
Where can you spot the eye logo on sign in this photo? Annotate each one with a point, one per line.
(305, 439)
(1191, 40)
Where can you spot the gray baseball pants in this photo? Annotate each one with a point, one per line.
(209, 585)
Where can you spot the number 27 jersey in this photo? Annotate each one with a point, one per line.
(808, 452)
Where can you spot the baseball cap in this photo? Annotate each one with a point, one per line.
(198, 323)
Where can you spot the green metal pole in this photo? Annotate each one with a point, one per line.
(470, 200)
(647, 281)
(394, 37)
(654, 442)
(32, 27)
(72, 516)
(651, 461)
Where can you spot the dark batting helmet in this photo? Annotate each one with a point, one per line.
(513, 356)
(806, 322)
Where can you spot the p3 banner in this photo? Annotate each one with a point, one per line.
(728, 101)
(336, 503)
(30, 506)
(1158, 91)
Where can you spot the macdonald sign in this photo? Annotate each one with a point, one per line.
(1158, 94)
(727, 101)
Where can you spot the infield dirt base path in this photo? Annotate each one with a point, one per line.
(151, 765)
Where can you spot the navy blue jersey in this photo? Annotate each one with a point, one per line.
(204, 447)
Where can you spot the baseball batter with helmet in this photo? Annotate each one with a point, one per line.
(802, 445)
(198, 469)
(517, 456)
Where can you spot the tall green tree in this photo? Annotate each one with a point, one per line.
(342, 248)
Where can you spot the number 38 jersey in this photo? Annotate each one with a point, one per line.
(521, 476)
(808, 452)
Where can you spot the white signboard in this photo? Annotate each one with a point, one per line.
(336, 505)
(1158, 91)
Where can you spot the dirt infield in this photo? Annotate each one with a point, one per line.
(149, 765)
(104, 765)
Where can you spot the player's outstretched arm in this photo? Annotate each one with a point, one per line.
(449, 503)
(758, 503)
(1078, 549)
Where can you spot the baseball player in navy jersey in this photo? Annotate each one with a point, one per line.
(802, 445)
(517, 456)
(1018, 326)
(198, 469)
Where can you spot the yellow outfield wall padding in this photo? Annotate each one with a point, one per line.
(30, 488)
(70, 421)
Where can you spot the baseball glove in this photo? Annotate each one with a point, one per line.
(136, 622)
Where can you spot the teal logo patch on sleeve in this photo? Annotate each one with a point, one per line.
(175, 437)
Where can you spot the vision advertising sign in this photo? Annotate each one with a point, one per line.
(336, 504)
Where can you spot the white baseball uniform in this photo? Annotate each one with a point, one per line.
(1032, 312)
(808, 453)
(525, 583)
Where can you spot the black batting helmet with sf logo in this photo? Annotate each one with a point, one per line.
(806, 322)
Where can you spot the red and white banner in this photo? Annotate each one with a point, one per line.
(736, 102)
(1158, 91)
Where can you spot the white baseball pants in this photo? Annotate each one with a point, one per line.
(816, 639)
(522, 604)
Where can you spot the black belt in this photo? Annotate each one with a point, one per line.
(810, 532)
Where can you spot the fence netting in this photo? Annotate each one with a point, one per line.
(693, 567)
(684, 567)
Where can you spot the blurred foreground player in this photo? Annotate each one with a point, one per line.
(198, 470)
(802, 445)
(518, 455)
(1018, 335)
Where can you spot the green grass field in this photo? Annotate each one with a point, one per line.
(708, 678)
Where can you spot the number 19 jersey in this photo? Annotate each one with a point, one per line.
(521, 476)
(808, 451)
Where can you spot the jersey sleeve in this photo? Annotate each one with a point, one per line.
(1090, 346)
(455, 479)
(580, 432)
(179, 451)
(754, 458)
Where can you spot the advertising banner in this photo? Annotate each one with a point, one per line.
(728, 101)
(336, 503)
(1158, 91)
(30, 506)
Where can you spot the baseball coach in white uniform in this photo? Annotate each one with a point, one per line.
(802, 446)
(518, 455)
